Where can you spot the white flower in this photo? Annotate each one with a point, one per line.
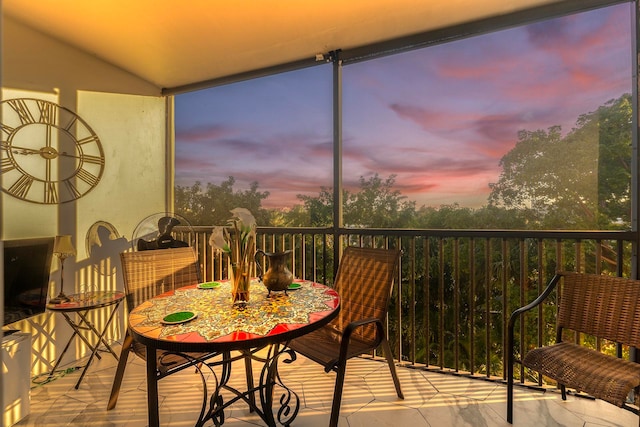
(217, 239)
(244, 216)
(238, 241)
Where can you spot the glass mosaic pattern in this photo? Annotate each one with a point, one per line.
(219, 320)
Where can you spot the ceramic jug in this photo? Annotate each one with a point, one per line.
(277, 277)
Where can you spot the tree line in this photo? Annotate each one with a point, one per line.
(549, 180)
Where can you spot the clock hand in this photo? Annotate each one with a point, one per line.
(64, 153)
(25, 151)
(48, 153)
(19, 150)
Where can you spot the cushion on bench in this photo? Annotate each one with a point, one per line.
(600, 375)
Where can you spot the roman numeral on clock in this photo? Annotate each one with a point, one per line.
(20, 107)
(71, 188)
(21, 187)
(87, 177)
(6, 165)
(50, 192)
(47, 111)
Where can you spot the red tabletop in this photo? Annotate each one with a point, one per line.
(221, 326)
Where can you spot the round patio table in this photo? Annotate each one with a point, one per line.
(202, 318)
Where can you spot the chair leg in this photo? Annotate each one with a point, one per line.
(386, 349)
(563, 390)
(510, 398)
(122, 364)
(337, 393)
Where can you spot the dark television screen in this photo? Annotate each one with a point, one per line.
(27, 263)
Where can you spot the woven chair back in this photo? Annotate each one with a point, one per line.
(364, 281)
(605, 306)
(150, 273)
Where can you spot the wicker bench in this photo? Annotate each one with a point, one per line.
(602, 306)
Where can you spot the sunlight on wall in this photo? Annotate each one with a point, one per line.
(16, 392)
(132, 134)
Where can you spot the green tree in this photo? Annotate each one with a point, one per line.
(374, 205)
(455, 217)
(320, 208)
(613, 121)
(378, 205)
(581, 180)
(297, 216)
(211, 206)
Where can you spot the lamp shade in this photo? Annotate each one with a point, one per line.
(63, 246)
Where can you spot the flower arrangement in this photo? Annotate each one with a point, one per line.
(237, 241)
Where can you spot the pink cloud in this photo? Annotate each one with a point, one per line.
(496, 133)
(206, 133)
(195, 163)
(429, 119)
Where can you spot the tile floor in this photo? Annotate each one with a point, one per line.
(431, 400)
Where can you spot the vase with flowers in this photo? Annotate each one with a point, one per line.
(237, 240)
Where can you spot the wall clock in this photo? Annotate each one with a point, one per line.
(48, 154)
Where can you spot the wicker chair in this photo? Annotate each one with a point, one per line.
(147, 274)
(597, 305)
(364, 281)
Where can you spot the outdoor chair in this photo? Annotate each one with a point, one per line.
(364, 282)
(147, 274)
(599, 306)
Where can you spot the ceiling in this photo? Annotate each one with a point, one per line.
(176, 44)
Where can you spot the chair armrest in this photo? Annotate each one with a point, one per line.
(550, 287)
(510, 334)
(351, 327)
(362, 322)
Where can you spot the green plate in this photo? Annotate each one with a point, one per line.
(209, 285)
(178, 317)
(294, 286)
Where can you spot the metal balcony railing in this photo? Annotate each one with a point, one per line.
(456, 288)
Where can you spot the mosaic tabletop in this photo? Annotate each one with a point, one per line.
(203, 317)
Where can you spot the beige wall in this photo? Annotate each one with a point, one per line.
(132, 132)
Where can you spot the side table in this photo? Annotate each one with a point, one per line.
(82, 304)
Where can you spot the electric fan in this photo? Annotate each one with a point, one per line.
(154, 232)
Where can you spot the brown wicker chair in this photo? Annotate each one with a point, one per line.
(602, 306)
(147, 274)
(364, 281)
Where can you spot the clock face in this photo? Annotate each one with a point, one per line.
(48, 155)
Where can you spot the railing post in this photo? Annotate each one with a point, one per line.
(467, 299)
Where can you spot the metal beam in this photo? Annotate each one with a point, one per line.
(338, 220)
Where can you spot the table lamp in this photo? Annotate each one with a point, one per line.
(62, 248)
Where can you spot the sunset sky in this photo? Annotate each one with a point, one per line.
(440, 118)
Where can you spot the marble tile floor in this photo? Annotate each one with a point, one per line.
(369, 400)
